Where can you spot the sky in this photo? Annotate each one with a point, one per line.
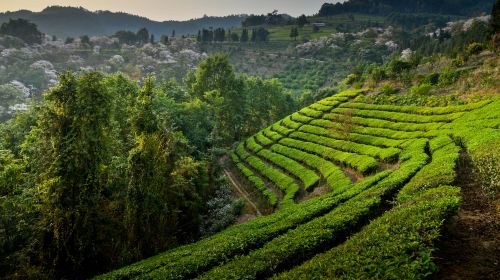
(161, 10)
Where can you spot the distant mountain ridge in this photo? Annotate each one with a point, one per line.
(73, 22)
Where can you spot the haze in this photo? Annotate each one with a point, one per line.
(162, 10)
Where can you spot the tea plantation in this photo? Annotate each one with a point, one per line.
(390, 171)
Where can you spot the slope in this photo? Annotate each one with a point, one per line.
(381, 223)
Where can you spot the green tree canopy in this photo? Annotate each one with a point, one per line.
(23, 29)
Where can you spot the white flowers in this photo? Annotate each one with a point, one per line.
(406, 54)
(18, 107)
(456, 27)
(378, 36)
(75, 59)
(391, 46)
(48, 69)
(25, 91)
(116, 59)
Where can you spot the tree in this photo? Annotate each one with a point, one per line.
(207, 35)
(163, 181)
(302, 20)
(315, 28)
(219, 35)
(244, 35)
(85, 40)
(216, 83)
(152, 39)
(254, 35)
(294, 33)
(234, 37)
(494, 27)
(164, 39)
(261, 34)
(69, 40)
(126, 37)
(23, 29)
(254, 20)
(143, 36)
(173, 33)
(69, 151)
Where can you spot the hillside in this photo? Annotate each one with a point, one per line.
(388, 169)
(74, 22)
(460, 7)
(361, 142)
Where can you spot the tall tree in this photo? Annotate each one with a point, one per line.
(85, 40)
(69, 152)
(244, 35)
(302, 20)
(143, 36)
(164, 188)
(495, 19)
(294, 33)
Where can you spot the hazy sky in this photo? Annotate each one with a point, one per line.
(176, 9)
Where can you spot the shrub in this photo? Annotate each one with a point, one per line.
(448, 77)
(432, 79)
(352, 78)
(474, 48)
(396, 67)
(423, 89)
(486, 163)
(388, 89)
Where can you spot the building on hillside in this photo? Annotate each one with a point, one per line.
(319, 24)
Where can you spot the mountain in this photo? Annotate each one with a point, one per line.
(71, 21)
(385, 7)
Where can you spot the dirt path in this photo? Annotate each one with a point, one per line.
(240, 190)
(470, 247)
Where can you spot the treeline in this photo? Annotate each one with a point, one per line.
(386, 7)
(260, 34)
(105, 172)
(142, 36)
(22, 29)
(272, 18)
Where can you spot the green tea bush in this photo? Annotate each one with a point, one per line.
(397, 245)
(486, 163)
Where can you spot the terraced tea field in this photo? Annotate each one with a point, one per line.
(389, 170)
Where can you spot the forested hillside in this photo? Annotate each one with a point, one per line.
(75, 22)
(357, 143)
(384, 7)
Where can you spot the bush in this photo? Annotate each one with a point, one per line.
(396, 67)
(352, 78)
(486, 163)
(377, 74)
(388, 89)
(474, 48)
(448, 77)
(423, 89)
(432, 79)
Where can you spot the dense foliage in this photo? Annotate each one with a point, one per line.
(462, 7)
(115, 172)
(23, 29)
